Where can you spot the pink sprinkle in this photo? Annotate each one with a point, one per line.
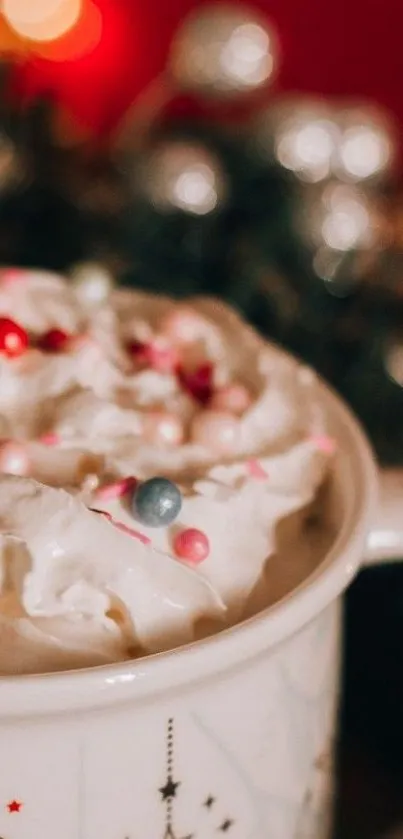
(50, 439)
(117, 489)
(256, 470)
(192, 545)
(324, 444)
(160, 357)
(11, 275)
(123, 527)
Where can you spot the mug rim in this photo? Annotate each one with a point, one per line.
(144, 678)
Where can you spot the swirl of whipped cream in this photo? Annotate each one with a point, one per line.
(69, 594)
(39, 301)
(69, 565)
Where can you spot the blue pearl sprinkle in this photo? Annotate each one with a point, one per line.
(157, 502)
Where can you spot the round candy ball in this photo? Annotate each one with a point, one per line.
(234, 398)
(217, 431)
(183, 325)
(54, 341)
(13, 338)
(191, 545)
(157, 502)
(163, 429)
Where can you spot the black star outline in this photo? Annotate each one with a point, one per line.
(210, 800)
(168, 791)
(227, 823)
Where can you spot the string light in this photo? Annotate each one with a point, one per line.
(342, 219)
(183, 176)
(366, 147)
(223, 50)
(41, 20)
(302, 137)
(81, 40)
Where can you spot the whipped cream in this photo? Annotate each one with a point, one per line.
(80, 588)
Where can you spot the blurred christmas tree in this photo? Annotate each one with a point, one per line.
(293, 218)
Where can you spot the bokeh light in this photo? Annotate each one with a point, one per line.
(221, 50)
(81, 40)
(346, 220)
(182, 176)
(41, 20)
(306, 147)
(366, 147)
(301, 135)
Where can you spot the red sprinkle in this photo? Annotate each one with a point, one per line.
(199, 382)
(137, 350)
(116, 489)
(123, 527)
(192, 545)
(55, 340)
(13, 338)
(256, 470)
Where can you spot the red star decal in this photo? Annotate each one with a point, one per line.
(14, 806)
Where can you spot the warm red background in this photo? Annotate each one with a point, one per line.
(331, 46)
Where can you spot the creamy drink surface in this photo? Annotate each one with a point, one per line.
(162, 470)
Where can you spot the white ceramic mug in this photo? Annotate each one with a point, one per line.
(231, 736)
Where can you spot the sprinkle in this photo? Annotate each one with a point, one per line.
(160, 357)
(13, 338)
(50, 439)
(192, 545)
(11, 275)
(123, 527)
(256, 470)
(54, 340)
(325, 444)
(117, 489)
(199, 382)
(157, 502)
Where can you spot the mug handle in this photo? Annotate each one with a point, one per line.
(385, 539)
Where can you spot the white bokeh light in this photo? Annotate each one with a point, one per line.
(340, 218)
(223, 50)
(183, 176)
(305, 146)
(367, 143)
(41, 20)
(346, 222)
(364, 152)
(246, 57)
(194, 190)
